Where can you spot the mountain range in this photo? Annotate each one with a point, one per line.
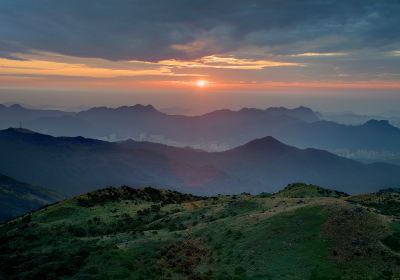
(73, 165)
(375, 140)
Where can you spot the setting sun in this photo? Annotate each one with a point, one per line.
(201, 83)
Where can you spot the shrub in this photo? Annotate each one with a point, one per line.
(239, 270)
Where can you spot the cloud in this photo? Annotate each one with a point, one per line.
(191, 29)
(313, 54)
(220, 62)
(48, 68)
(50, 64)
(58, 65)
(394, 53)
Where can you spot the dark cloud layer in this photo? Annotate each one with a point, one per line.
(164, 29)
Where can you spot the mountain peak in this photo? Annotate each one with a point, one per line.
(123, 109)
(144, 108)
(19, 130)
(378, 123)
(265, 142)
(303, 108)
(248, 109)
(302, 190)
(301, 113)
(16, 107)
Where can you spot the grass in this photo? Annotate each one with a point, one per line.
(122, 233)
(386, 203)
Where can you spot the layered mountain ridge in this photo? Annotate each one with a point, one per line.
(73, 165)
(375, 140)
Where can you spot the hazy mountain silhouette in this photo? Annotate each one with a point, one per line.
(15, 114)
(17, 198)
(374, 135)
(215, 131)
(74, 165)
(357, 119)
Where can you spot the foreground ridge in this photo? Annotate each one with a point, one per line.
(301, 232)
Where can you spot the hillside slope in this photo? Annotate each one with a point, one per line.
(74, 165)
(124, 233)
(17, 198)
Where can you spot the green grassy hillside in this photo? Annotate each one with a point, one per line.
(302, 232)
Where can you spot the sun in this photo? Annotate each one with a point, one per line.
(201, 83)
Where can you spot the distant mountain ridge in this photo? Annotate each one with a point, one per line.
(375, 140)
(15, 115)
(73, 165)
(144, 122)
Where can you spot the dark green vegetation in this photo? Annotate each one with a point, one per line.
(385, 202)
(302, 232)
(17, 198)
(299, 190)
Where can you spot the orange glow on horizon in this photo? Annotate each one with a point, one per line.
(201, 83)
(128, 83)
(209, 73)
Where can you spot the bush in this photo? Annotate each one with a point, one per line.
(239, 270)
(393, 242)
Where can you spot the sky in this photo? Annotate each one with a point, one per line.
(117, 52)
